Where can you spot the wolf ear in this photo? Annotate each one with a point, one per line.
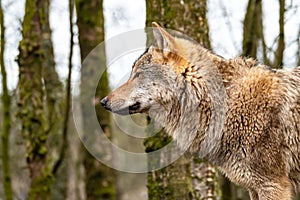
(163, 39)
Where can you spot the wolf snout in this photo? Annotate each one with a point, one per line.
(104, 102)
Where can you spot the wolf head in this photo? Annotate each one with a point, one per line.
(155, 74)
(176, 80)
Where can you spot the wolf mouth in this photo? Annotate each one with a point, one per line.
(135, 108)
(129, 110)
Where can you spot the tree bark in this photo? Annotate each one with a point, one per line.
(60, 168)
(251, 28)
(38, 88)
(253, 32)
(100, 179)
(298, 51)
(253, 35)
(278, 59)
(53, 86)
(6, 123)
(68, 94)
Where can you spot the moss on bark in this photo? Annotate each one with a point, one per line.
(34, 56)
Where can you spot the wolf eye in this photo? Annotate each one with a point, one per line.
(136, 75)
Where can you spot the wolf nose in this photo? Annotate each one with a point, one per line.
(104, 101)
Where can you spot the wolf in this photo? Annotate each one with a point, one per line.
(242, 116)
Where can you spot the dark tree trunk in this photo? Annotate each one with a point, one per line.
(298, 51)
(252, 26)
(253, 32)
(278, 59)
(100, 179)
(6, 123)
(253, 35)
(60, 167)
(68, 93)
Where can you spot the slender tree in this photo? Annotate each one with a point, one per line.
(298, 51)
(187, 178)
(253, 35)
(278, 57)
(6, 116)
(99, 180)
(68, 93)
(61, 165)
(252, 28)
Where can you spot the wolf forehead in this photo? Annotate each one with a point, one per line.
(144, 59)
(177, 52)
(154, 56)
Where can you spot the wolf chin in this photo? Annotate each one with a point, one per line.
(241, 116)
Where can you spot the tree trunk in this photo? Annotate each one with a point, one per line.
(298, 51)
(60, 168)
(53, 86)
(253, 33)
(100, 179)
(278, 58)
(252, 25)
(185, 178)
(32, 112)
(68, 94)
(6, 117)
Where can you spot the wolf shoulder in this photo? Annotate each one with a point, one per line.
(260, 82)
(263, 99)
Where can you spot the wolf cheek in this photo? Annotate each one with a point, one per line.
(119, 101)
(132, 97)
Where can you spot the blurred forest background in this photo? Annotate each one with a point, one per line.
(41, 155)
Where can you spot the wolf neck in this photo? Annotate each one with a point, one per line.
(194, 114)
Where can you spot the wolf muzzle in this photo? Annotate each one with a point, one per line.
(104, 103)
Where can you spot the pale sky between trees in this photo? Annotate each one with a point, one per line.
(225, 22)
